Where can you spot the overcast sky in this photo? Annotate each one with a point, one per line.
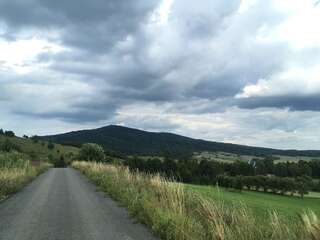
(236, 71)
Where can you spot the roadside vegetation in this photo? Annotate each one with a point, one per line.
(37, 149)
(173, 211)
(23, 159)
(16, 171)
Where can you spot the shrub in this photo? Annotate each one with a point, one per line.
(9, 133)
(51, 145)
(8, 146)
(92, 152)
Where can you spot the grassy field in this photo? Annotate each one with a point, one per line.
(177, 211)
(39, 150)
(230, 157)
(262, 203)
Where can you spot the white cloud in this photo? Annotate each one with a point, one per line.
(296, 81)
(20, 55)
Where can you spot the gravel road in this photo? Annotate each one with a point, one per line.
(62, 204)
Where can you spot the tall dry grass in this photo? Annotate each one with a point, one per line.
(174, 213)
(15, 172)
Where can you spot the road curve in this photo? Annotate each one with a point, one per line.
(62, 205)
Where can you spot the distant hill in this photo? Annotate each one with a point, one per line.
(134, 141)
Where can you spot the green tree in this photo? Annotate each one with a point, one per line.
(60, 163)
(238, 184)
(9, 133)
(92, 152)
(302, 185)
(51, 145)
(35, 139)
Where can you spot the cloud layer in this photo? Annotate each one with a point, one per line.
(243, 71)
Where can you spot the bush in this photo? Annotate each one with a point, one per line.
(51, 145)
(35, 139)
(91, 152)
(60, 163)
(9, 133)
(8, 146)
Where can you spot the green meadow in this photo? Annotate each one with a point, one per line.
(261, 204)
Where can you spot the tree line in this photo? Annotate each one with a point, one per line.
(277, 185)
(253, 175)
(257, 174)
(204, 170)
(7, 133)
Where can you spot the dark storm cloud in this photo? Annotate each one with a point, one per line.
(80, 116)
(294, 103)
(89, 25)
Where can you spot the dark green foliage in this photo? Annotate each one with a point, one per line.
(60, 162)
(1, 131)
(91, 152)
(51, 145)
(35, 139)
(8, 146)
(133, 141)
(235, 175)
(303, 185)
(238, 183)
(33, 156)
(9, 133)
(274, 184)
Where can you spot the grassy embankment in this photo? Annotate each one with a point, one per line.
(173, 211)
(16, 171)
(38, 150)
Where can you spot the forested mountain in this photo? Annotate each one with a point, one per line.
(134, 141)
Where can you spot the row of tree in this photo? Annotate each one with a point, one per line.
(258, 175)
(7, 133)
(279, 185)
(205, 171)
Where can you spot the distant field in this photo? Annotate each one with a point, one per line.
(230, 157)
(262, 203)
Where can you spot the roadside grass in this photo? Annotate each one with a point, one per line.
(181, 212)
(16, 171)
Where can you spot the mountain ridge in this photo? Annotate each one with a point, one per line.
(135, 141)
